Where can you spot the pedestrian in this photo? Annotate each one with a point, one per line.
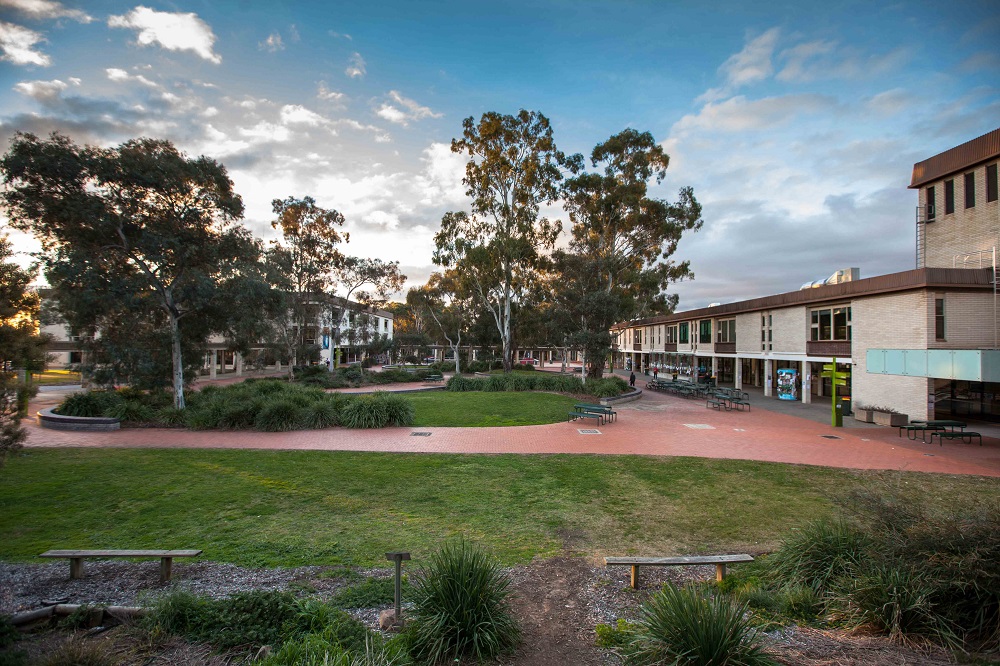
(631, 380)
(656, 371)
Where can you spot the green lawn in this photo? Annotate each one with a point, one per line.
(288, 508)
(482, 409)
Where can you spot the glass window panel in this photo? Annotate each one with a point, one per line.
(839, 324)
(825, 325)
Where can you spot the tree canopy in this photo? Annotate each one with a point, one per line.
(137, 238)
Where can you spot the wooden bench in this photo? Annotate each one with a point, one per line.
(76, 558)
(573, 416)
(720, 562)
(942, 435)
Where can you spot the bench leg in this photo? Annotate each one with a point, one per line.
(635, 577)
(720, 572)
(76, 567)
(165, 565)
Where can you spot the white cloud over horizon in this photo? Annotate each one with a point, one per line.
(170, 30)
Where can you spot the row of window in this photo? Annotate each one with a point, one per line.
(992, 192)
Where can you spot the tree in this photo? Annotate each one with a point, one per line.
(446, 300)
(302, 267)
(622, 238)
(513, 169)
(22, 349)
(381, 279)
(139, 229)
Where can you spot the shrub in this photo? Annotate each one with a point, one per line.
(618, 637)
(399, 410)
(460, 607)
(131, 411)
(819, 555)
(89, 403)
(170, 416)
(370, 593)
(320, 414)
(685, 627)
(365, 411)
(279, 416)
(461, 383)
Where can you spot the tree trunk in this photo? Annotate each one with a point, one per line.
(175, 340)
(508, 363)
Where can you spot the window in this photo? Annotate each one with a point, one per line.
(765, 333)
(931, 212)
(991, 182)
(705, 332)
(831, 324)
(939, 318)
(949, 197)
(683, 333)
(725, 330)
(671, 335)
(970, 190)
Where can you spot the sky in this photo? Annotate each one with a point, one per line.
(796, 123)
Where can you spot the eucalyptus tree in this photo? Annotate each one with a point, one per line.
(513, 170)
(447, 301)
(136, 232)
(369, 282)
(623, 240)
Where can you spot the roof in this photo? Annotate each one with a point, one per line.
(957, 159)
(921, 278)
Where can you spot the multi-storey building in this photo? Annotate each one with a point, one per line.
(923, 342)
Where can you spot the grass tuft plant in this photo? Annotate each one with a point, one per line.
(687, 627)
(460, 607)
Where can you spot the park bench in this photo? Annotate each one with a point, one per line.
(76, 558)
(717, 402)
(943, 435)
(609, 414)
(720, 562)
(574, 415)
(913, 428)
(434, 378)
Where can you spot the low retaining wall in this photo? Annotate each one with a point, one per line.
(48, 419)
(634, 394)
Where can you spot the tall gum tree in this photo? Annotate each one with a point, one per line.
(513, 170)
(622, 240)
(140, 226)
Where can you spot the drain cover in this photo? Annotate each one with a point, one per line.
(929, 455)
(585, 431)
(699, 426)
(739, 429)
(420, 434)
(829, 437)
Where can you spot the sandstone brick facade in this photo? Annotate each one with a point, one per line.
(967, 230)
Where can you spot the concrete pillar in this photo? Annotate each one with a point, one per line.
(277, 365)
(212, 362)
(768, 377)
(738, 374)
(715, 368)
(239, 364)
(806, 376)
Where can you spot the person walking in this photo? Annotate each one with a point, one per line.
(631, 380)
(656, 371)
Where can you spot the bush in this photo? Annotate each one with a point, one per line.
(460, 607)
(370, 593)
(464, 383)
(279, 416)
(132, 411)
(686, 627)
(377, 410)
(89, 403)
(170, 416)
(321, 414)
(819, 555)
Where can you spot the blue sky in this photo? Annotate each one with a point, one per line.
(797, 123)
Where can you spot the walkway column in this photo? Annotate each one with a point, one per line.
(715, 369)
(212, 362)
(768, 379)
(738, 374)
(806, 382)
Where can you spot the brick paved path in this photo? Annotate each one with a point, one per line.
(654, 425)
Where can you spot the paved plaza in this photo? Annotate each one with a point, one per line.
(654, 425)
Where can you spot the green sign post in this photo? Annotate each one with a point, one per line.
(836, 379)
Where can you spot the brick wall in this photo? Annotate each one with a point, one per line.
(893, 321)
(968, 320)
(748, 332)
(789, 330)
(965, 230)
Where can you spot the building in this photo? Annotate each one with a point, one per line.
(923, 342)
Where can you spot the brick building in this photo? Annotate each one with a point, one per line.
(923, 342)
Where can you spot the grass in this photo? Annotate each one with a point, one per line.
(291, 508)
(482, 410)
(56, 378)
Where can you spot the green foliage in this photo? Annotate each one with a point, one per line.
(820, 554)
(616, 637)
(89, 403)
(685, 626)
(321, 414)
(599, 388)
(81, 652)
(132, 411)
(370, 593)
(279, 416)
(377, 410)
(460, 607)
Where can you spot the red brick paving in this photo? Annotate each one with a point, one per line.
(653, 425)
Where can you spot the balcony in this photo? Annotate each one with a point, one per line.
(840, 349)
(637, 347)
(670, 346)
(725, 347)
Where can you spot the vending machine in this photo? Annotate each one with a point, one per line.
(788, 384)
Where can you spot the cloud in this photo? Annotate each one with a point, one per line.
(293, 33)
(17, 44)
(987, 61)
(172, 31)
(272, 44)
(818, 60)
(120, 75)
(440, 183)
(750, 65)
(41, 90)
(356, 67)
(738, 114)
(411, 110)
(340, 35)
(46, 9)
(325, 93)
(891, 102)
(294, 114)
